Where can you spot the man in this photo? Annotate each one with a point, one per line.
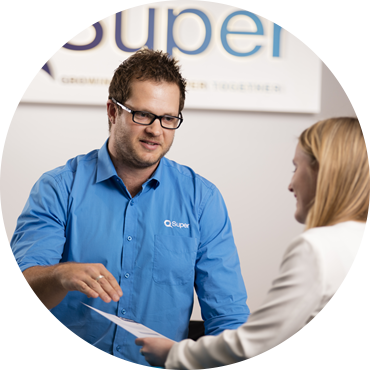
(127, 231)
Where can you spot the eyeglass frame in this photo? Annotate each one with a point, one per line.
(155, 116)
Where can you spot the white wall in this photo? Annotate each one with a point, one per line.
(248, 155)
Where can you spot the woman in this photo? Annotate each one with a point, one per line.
(331, 183)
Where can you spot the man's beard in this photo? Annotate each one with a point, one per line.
(130, 157)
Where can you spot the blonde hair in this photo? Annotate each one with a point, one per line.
(343, 184)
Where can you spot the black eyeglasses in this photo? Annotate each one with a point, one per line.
(146, 118)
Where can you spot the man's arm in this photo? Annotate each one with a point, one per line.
(52, 283)
(38, 245)
(218, 280)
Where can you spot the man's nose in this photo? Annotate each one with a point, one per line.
(155, 128)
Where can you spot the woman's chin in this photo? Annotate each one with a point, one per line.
(300, 217)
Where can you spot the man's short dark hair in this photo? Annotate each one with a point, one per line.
(146, 65)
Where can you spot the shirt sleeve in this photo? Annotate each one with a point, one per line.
(39, 237)
(218, 280)
(291, 302)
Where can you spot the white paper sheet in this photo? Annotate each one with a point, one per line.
(139, 330)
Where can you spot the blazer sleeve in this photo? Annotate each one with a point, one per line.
(290, 303)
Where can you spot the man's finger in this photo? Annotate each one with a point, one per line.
(84, 288)
(113, 282)
(97, 287)
(107, 287)
(99, 277)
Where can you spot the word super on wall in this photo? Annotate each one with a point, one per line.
(232, 59)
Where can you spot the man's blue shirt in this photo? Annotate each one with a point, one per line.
(174, 235)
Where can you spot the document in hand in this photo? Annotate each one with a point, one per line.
(133, 327)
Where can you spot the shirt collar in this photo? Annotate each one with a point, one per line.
(155, 179)
(106, 168)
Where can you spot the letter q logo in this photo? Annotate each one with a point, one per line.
(167, 223)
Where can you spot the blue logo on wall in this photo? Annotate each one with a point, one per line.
(24, 25)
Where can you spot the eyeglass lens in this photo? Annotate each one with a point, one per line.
(146, 118)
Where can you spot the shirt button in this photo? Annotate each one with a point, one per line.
(127, 275)
(118, 348)
(129, 238)
(132, 203)
(123, 311)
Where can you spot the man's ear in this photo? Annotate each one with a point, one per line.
(111, 111)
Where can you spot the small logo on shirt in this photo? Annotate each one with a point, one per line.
(173, 224)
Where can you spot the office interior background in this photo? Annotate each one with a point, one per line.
(246, 152)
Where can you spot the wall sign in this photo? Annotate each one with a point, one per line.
(232, 59)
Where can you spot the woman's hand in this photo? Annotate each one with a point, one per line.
(155, 350)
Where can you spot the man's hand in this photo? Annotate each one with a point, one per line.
(155, 350)
(85, 277)
(52, 283)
